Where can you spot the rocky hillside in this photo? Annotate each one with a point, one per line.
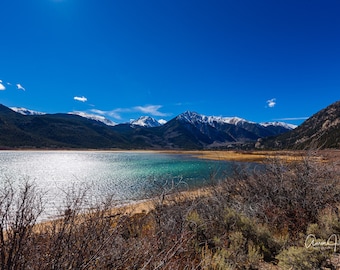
(320, 131)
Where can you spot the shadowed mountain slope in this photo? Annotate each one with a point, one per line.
(320, 131)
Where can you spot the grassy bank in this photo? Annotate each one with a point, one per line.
(259, 156)
(252, 220)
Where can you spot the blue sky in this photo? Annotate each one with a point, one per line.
(260, 60)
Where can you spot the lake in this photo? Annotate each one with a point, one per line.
(127, 175)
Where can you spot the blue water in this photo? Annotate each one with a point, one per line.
(124, 175)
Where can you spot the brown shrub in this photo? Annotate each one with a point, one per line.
(284, 195)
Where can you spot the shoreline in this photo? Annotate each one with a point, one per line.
(325, 155)
(242, 156)
(147, 205)
(143, 206)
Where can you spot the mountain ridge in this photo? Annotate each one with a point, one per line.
(194, 116)
(188, 130)
(148, 121)
(320, 131)
(22, 128)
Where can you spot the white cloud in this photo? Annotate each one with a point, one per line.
(117, 113)
(81, 99)
(19, 86)
(114, 113)
(150, 109)
(291, 118)
(271, 102)
(98, 111)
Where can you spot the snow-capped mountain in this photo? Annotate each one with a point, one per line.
(188, 116)
(23, 128)
(195, 118)
(147, 121)
(217, 130)
(25, 111)
(282, 124)
(95, 117)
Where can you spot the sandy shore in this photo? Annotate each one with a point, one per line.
(146, 205)
(228, 155)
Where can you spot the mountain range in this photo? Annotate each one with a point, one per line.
(23, 128)
(147, 121)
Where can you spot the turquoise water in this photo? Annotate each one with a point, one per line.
(124, 175)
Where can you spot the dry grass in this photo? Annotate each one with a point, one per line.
(244, 156)
(147, 205)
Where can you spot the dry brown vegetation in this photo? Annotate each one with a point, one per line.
(255, 156)
(252, 220)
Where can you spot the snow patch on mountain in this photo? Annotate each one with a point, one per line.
(25, 111)
(147, 121)
(193, 118)
(162, 121)
(279, 124)
(95, 117)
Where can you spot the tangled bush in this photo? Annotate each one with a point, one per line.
(285, 195)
